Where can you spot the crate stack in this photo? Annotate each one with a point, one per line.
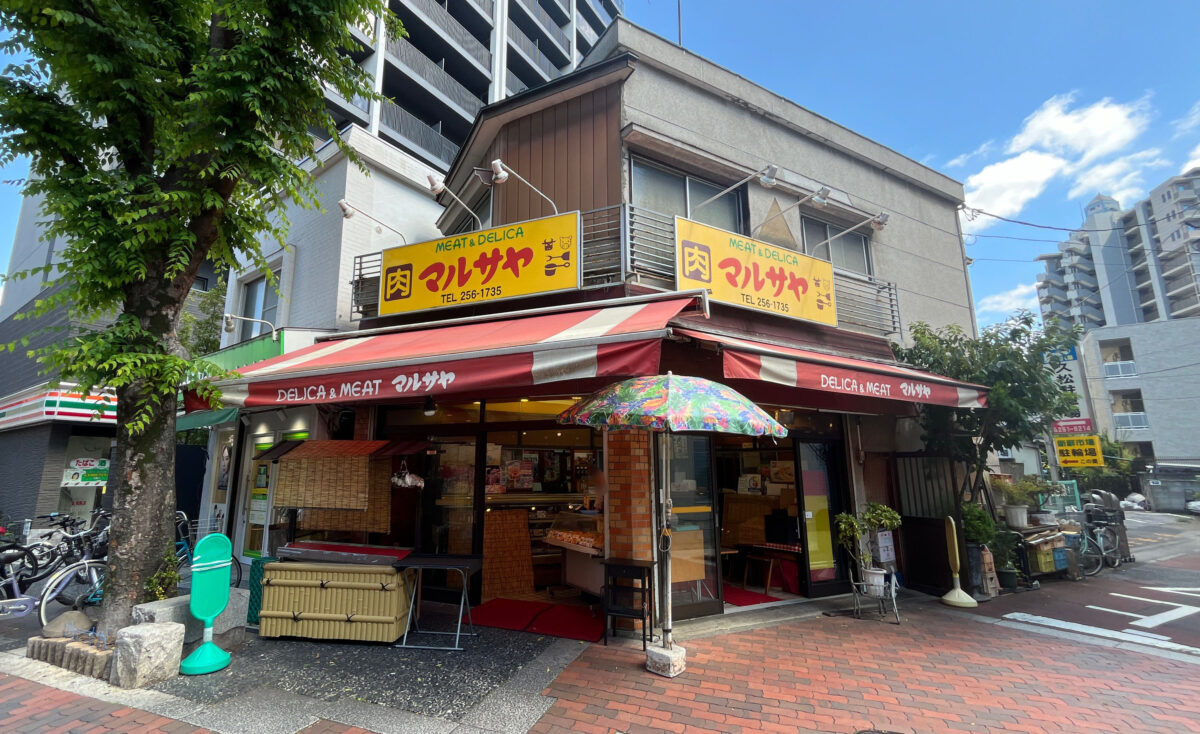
(991, 584)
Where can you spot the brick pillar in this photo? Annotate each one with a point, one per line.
(363, 423)
(629, 508)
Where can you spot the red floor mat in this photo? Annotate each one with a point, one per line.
(571, 622)
(740, 597)
(507, 614)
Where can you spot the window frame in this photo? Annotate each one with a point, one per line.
(738, 194)
(248, 330)
(866, 240)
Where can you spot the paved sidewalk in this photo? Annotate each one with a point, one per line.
(940, 671)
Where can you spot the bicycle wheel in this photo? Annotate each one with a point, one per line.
(79, 586)
(16, 562)
(1109, 546)
(235, 573)
(1091, 560)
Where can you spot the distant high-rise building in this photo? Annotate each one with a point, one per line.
(1129, 266)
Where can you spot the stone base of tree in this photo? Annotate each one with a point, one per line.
(78, 656)
(147, 654)
(228, 628)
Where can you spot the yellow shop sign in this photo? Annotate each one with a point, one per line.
(751, 274)
(521, 259)
(1077, 451)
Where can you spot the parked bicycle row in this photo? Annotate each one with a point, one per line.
(71, 563)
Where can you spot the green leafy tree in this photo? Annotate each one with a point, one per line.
(1010, 359)
(201, 335)
(162, 134)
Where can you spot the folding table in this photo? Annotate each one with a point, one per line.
(466, 567)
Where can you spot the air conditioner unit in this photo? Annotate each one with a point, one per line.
(1005, 454)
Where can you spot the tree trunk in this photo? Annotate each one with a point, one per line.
(143, 523)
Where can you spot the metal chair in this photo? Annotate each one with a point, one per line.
(882, 595)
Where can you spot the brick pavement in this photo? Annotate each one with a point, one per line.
(31, 708)
(938, 672)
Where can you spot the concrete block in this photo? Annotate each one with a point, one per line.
(147, 654)
(178, 610)
(669, 663)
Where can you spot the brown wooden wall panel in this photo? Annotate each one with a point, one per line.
(571, 151)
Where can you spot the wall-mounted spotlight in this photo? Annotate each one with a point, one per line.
(766, 178)
(439, 187)
(877, 222)
(818, 198)
(348, 211)
(230, 318)
(500, 173)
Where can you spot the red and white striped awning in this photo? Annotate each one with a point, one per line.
(620, 341)
(754, 360)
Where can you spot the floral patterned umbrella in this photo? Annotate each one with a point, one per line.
(673, 403)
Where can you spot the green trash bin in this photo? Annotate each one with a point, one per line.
(256, 577)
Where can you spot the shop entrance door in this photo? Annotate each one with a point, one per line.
(821, 497)
(256, 502)
(695, 572)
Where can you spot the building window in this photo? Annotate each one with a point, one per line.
(850, 251)
(260, 300)
(672, 193)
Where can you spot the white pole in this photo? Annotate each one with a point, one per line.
(665, 494)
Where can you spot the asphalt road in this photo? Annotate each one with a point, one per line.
(1153, 601)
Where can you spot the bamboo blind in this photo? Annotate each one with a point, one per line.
(333, 475)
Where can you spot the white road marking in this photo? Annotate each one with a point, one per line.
(1186, 591)
(1088, 629)
(1166, 558)
(1154, 620)
(1115, 611)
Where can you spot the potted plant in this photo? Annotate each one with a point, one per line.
(851, 532)
(1018, 496)
(1003, 547)
(979, 529)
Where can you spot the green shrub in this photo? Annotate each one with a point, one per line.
(978, 525)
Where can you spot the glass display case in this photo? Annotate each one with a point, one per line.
(578, 531)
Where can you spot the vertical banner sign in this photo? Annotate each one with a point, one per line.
(752, 274)
(1078, 451)
(521, 259)
(1070, 379)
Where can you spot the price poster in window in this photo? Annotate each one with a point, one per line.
(753, 275)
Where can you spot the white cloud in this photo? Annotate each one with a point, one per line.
(1006, 302)
(1005, 188)
(1120, 178)
(1086, 133)
(982, 150)
(1193, 160)
(1188, 122)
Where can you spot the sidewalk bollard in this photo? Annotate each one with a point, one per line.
(956, 597)
(210, 594)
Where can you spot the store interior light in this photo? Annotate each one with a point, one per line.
(430, 406)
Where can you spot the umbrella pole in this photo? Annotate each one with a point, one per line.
(665, 539)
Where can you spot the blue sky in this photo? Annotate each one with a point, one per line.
(1035, 106)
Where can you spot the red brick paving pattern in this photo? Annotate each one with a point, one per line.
(29, 707)
(935, 673)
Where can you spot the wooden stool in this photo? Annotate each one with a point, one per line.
(770, 561)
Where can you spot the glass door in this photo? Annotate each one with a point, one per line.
(695, 575)
(820, 480)
(257, 502)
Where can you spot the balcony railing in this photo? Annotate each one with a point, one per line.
(585, 30)
(624, 242)
(446, 23)
(1130, 421)
(530, 48)
(547, 23)
(514, 85)
(1126, 368)
(434, 75)
(404, 124)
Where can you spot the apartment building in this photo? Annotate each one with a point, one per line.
(460, 55)
(1129, 266)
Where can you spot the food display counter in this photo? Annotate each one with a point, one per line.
(581, 536)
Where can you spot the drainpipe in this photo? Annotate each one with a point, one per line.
(377, 74)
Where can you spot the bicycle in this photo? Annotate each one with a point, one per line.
(1098, 544)
(71, 545)
(183, 553)
(79, 586)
